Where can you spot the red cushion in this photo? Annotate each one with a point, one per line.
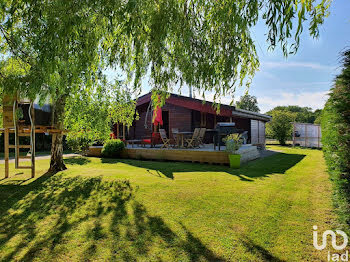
(147, 141)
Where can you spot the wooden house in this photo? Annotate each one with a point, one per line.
(186, 113)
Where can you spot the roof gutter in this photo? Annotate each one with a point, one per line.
(245, 113)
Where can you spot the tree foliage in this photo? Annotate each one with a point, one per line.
(303, 114)
(335, 125)
(318, 116)
(248, 102)
(206, 44)
(58, 42)
(91, 113)
(122, 107)
(280, 127)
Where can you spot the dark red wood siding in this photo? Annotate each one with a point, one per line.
(179, 117)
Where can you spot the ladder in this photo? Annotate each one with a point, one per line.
(24, 131)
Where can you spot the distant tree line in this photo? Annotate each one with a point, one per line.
(248, 102)
(302, 114)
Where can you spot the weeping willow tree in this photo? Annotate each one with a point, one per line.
(205, 44)
(91, 113)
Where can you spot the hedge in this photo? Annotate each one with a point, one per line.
(336, 140)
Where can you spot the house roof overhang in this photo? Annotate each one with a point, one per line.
(206, 107)
(249, 114)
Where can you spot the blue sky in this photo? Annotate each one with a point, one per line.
(303, 79)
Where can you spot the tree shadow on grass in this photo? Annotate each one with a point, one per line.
(150, 227)
(259, 251)
(79, 218)
(275, 164)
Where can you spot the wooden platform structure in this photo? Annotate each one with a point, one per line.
(181, 155)
(12, 124)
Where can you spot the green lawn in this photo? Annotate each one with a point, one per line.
(109, 210)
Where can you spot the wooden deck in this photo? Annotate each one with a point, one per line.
(204, 155)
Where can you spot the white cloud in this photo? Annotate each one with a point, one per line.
(310, 65)
(315, 100)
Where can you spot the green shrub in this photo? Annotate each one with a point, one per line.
(280, 127)
(112, 148)
(335, 123)
(233, 143)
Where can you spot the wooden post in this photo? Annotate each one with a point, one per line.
(258, 131)
(16, 137)
(117, 129)
(32, 111)
(17, 146)
(293, 134)
(6, 147)
(305, 135)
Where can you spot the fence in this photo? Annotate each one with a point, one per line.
(307, 135)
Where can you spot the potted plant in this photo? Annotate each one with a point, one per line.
(233, 143)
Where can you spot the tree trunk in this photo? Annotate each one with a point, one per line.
(56, 163)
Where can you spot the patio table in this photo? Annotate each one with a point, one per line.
(181, 136)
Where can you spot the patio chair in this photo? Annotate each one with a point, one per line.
(165, 139)
(201, 136)
(193, 141)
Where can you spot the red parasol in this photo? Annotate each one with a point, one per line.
(158, 119)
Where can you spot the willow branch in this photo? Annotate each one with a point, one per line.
(11, 44)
